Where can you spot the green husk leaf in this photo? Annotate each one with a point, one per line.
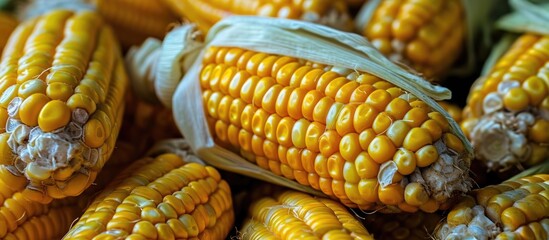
(542, 168)
(529, 16)
(297, 39)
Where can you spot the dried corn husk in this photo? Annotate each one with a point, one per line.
(302, 40)
(477, 26)
(529, 16)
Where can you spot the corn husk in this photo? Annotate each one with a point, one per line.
(478, 29)
(538, 169)
(529, 16)
(302, 40)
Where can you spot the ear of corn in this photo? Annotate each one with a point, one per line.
(206, 13)
(7, 24)
(21, 218)
(509, 107)
(410, 226)
(516, 209)
(160, 198)
(426, 35)
(289, 214)
(352, 135)
(135, 20)
(62, 86)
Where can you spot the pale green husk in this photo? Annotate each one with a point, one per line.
(529, 16)
(538, 169)
(34, 8)
(296, 39)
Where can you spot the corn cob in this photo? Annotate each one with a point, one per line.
(21, 218)
(290, 214)
(139, 20)
(7, 24)
(509, 107)
(351, 135)
(206, 13)
(426, 35)
(160, 198)
(410, 226)
(515, 209)
(62, 86)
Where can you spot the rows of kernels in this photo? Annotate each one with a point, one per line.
(518, 82)
(53, 223)
(63, 75)
(164, 197)
(139, 20)
(402, 226)
(26, 219)
(427, 34)
(206, 13)
(270, 217)
(517, 207)
(334, 144)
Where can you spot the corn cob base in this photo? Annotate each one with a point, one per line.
(516, 209)
(507, 113)
(62, 103)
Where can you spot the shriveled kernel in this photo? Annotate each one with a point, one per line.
(453, 142)
(405, 161)
(309, 102)
(417, 138)
(59, 91)
(379, 99)
(284, 131)
(366, 166)
(329, 142)
(415, 117)
(364, 117)
(397, 108)
(392, 194)
(365, 138)
(344, 123)
(368, 189)
(415, 194)
(79, 100)
(397, 132)
(426, 156)
(381, 149)
(349, 147)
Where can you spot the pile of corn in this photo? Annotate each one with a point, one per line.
(274, 119)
